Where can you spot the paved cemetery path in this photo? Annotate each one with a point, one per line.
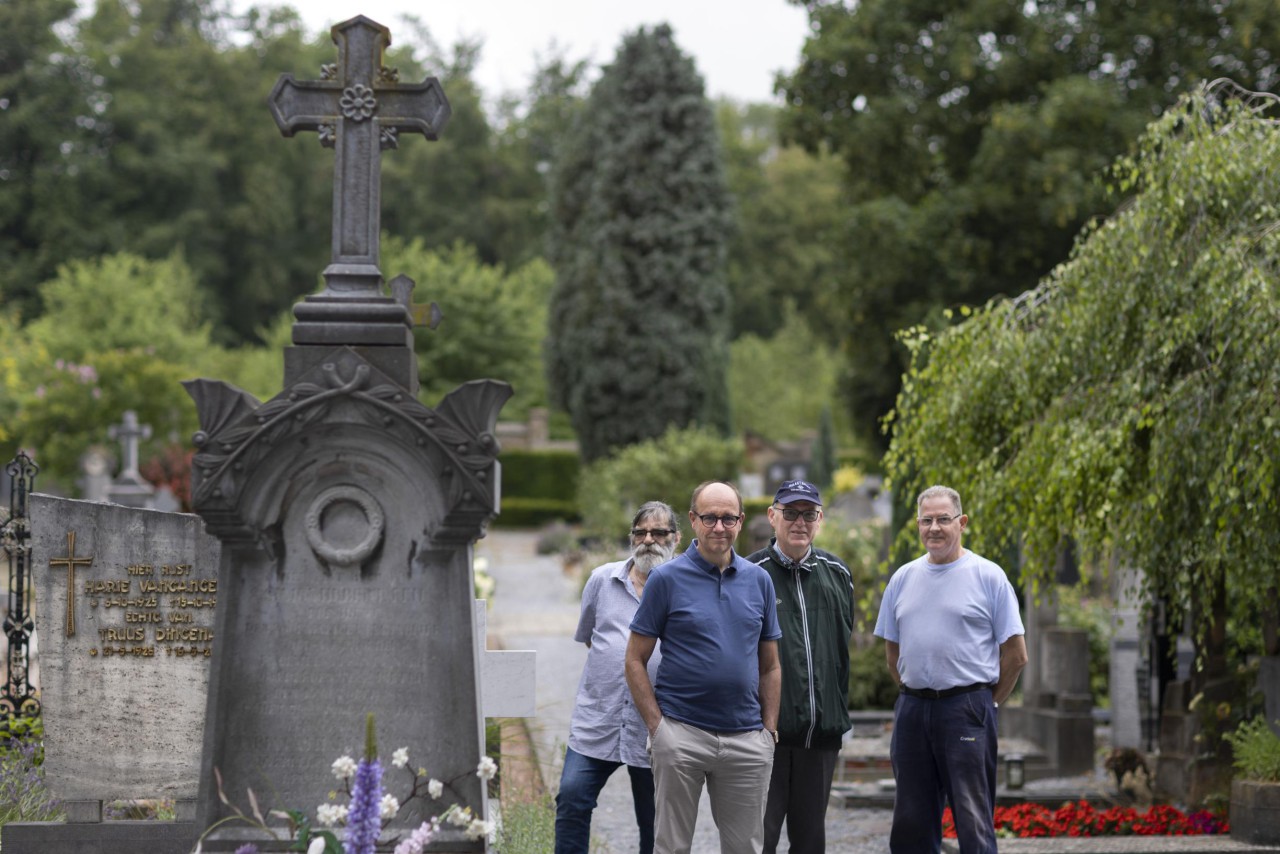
(535, 606)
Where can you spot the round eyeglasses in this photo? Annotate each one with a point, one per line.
(710, 520)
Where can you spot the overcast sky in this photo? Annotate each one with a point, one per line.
(737, 44)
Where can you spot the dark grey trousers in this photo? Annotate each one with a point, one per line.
(798, 793)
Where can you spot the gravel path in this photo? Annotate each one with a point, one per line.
(535, 606)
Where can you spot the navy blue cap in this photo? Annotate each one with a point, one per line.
(797, 490)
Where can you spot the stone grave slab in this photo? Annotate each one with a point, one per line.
(125, 605)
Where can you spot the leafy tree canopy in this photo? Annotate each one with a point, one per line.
(123, 301)
(494, 320)
(143, 128)
(120, 333)
(1131, 401)
(972, 133)
(780, 385)
(789, 215)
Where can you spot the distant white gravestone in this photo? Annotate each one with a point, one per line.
(125, 604)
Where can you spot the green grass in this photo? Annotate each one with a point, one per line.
(528, 827)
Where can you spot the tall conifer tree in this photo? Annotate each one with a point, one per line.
(640, 313)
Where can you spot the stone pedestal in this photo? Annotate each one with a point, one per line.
(1059, 716)
(1255, 811)
(112, 837)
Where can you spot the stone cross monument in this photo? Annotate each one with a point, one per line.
(358, 108)
(130, 488)
(347, 511)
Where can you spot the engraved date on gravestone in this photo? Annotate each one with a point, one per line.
(151, 611)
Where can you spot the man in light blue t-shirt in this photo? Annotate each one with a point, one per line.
(954, 643)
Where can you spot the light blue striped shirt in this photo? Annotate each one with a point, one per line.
(605, 723)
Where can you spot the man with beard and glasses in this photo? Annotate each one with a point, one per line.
(606, 731)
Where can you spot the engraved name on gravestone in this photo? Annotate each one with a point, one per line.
(126, 601)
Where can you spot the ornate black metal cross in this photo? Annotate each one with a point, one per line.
(71, 562)
(18, 694)
(359, 108)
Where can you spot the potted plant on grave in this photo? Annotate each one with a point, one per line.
(1255, 791)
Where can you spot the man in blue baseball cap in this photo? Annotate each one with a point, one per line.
(815, 609)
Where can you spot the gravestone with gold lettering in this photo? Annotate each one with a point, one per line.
(347, 510)
(125, 609)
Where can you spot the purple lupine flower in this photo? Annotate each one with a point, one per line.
(364, 818)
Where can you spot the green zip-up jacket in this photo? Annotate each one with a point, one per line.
(815, 609)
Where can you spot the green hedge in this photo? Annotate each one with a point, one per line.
(519, 512)
(544, 474)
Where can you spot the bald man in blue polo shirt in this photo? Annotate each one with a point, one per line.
(713, 714)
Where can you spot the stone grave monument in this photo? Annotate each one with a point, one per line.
(125, 616)
(347, 510)
(129, 487)
(1057, 707)
(1127, 662)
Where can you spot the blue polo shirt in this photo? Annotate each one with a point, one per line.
(711, 625)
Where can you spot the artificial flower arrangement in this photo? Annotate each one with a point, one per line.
(368, 809)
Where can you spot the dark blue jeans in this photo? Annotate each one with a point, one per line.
(580, 783)
(944, 751)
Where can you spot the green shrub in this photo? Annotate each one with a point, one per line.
(17, 731)
(664, 469)
(23, 793)
(1256, 750)
(519, 512)
(546, 474)
(870, 685)
(860, 546)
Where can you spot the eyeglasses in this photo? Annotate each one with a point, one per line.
(943, 521)
(656, 533)
(791, 515)
(728, 521)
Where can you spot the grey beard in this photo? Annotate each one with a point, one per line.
(645, 558)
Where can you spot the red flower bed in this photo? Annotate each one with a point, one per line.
(1080, 818)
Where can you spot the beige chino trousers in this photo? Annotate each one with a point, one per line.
(736, 769)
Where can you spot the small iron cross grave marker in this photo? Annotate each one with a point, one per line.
(358, 109)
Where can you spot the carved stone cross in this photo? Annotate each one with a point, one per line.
(71, 562)
(129, 432)
(358, 109)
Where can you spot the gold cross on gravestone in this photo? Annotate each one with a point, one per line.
(71, 562)
(358, 109)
